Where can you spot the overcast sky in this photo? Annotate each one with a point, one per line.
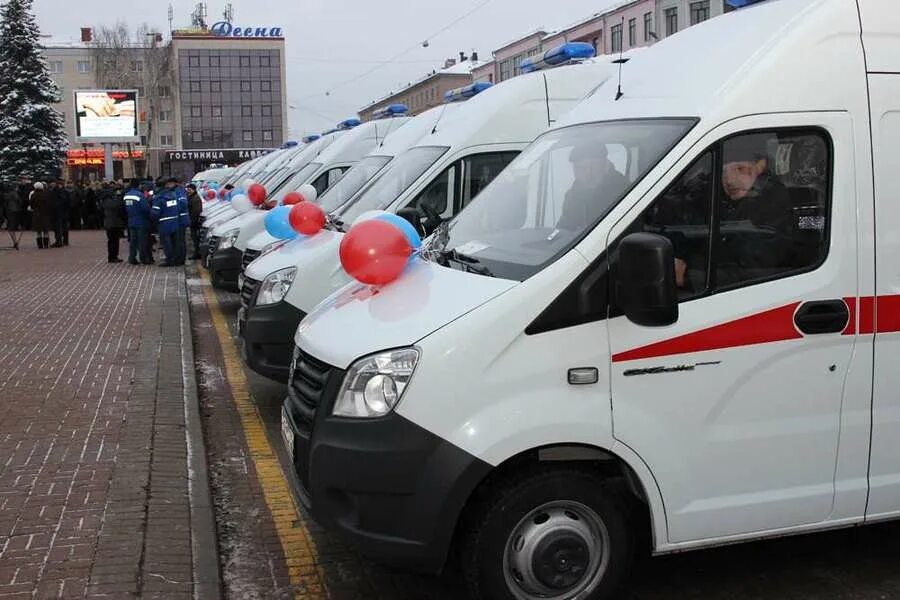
(331, 42)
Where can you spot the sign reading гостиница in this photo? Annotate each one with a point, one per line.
(226, 29)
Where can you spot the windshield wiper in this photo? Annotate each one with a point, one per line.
(468, 263)
(334, 222)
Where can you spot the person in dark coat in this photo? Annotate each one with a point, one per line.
(115, 220)
(77, 194)
(195, 208)
(25, 188)
(62, 206)
(13, 207)
(41, 203)
(89, 209)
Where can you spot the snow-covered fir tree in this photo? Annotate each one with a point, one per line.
(32, 135)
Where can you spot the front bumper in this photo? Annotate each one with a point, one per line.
(394, 489)
(224, 268)
(267, 336)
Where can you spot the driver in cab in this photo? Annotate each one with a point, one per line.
(595, 178)
(755, 215)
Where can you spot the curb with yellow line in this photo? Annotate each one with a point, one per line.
(299, 549)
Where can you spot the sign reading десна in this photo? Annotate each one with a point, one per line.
(226, 29)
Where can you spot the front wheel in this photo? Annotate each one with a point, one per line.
(555, 534)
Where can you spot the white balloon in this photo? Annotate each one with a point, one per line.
(241, 203)
(308, 191)
(369, 215)
(247, 183)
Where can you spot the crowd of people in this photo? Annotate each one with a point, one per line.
(143, 211)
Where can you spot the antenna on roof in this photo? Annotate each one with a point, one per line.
(228, 15)
(621, 61)
(171, 18)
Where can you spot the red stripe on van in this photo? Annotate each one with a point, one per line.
(774, 325)
(888, 318)
(867, 315)
(850, 329)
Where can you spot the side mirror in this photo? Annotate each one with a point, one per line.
(645, 284)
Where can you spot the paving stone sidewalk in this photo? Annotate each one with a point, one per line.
(103, 483)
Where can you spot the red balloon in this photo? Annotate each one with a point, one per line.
(257, 193)
(375, 252)
(307, 218)
(292, 198)
(222, 193)
(211, 194)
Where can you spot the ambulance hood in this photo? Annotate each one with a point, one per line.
(359, 319)
(237, 222)
(303, 252)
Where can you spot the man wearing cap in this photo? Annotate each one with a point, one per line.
(596, 182)
(166, 212)
(753, 196)
(138, 209)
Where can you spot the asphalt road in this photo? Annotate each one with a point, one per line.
(853, 564)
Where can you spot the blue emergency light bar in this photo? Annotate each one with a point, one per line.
(311, 138)
(741, 3)
(561, 55)
(348, 124)
(389, 112)
(289, 144)
(464, 93)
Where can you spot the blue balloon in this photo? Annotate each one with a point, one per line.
(278, 225)
(412, 236)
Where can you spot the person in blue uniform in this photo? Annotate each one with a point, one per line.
(138, 209)
(166, 211)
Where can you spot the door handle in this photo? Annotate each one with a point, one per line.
(825, 316)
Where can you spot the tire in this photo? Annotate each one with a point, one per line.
(564, 507)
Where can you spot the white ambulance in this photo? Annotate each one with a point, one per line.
(266, 324)
(323, 172)
(676, 313)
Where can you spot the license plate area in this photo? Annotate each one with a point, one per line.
(287, 433)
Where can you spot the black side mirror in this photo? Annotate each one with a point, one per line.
(412, 215)
(645, 285)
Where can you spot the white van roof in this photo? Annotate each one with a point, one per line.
(516, 110)
(776, 56)
(881, 26)
(401, 139)
(353, 145)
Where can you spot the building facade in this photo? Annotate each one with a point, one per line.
(429, 91)
(626, 25)
(203, 98)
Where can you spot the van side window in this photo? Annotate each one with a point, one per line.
(773, 206)
(479, 170)
(438, 195)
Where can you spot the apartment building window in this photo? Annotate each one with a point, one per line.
(137, 66)
(245, 61)
(215, 61)
(143, 140)
(196, 111)
(83, 66)
(671, 15)
(265, 86)
(632, 33)
(215, 86)
(615, 38)
(267, 135)
(217, 111)
(248, 135)
(196, 136)
(56, 67)
(165, 91)
(265, 61)
(505, 69)
(194, 61)
(648, 26)
(195, 86)
(699, 11)
(246, 111)
(166, 140)
(266, 110)
(245, 86)
(165, 116)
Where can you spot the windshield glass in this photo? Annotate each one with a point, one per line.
(296, 181)
(554, 193)
(393, 181)
(352, 181)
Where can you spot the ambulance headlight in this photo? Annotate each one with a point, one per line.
(228, 239)
(374, 385)
(275, 286)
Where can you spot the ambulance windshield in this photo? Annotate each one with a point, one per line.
(554, 193)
